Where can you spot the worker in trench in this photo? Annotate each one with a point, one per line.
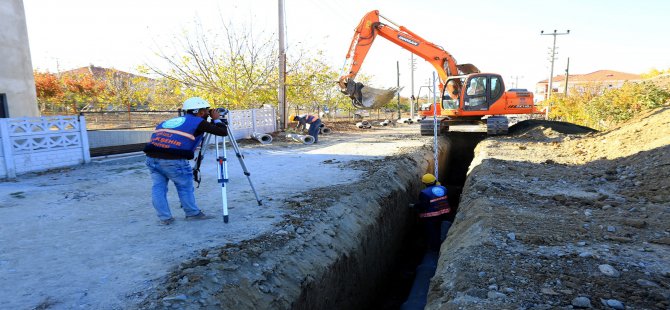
(433, 209)
(172, 145)
(313, 121)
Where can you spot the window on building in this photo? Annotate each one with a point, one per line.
(4, 109)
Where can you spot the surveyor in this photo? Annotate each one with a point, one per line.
(172, 145)
(433, 208)
(313, 121)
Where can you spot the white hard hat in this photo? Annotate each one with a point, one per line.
(195, 103)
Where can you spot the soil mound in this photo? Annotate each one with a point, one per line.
(549, 220)
(562, 127)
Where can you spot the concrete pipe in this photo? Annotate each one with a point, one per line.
(326, 130)
(363, 124)
(263, 138)
(300, 138)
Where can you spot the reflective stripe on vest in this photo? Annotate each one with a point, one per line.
(435, 213)
(434, 200)
(177, 134)
(187, 135)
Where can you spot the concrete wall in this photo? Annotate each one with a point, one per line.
(116, 137)
(242, 123)
(16, 69)
(41, 143)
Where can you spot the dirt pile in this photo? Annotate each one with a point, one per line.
(550, 220)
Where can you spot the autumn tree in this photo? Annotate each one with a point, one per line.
(654, 73)
(239, 69)
(49, 89)
(236, 68)
(82, 90)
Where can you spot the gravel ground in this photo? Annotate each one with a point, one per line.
(550, 220)
(87, 237)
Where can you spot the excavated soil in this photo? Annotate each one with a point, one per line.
(333, 249)
(552, 216)
(551, 219)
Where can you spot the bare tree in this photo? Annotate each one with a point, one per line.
(235, 68)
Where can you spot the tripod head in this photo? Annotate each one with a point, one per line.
(222, 111)
(222, 114)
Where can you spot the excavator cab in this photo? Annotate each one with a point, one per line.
(474, 92)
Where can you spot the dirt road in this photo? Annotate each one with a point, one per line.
(87, 237)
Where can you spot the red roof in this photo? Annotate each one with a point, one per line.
(100, 73)
(597, 76)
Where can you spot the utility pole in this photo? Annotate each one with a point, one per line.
(282, 70)
(567, 74)
(516, 81)
(397, 65)
(412, 66)
(553, 57)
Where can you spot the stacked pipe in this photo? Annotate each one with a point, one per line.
(363, 124)
(300, 138)
(324, 130)
(262, 137)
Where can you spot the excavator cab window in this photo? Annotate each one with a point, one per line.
(482, 92)
(452, 94)
(476, 94)
(497, 88)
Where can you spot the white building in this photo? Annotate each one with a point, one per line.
(17, 84)
(605, 79)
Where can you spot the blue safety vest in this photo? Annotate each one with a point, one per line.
(433, 201)
(176, 136)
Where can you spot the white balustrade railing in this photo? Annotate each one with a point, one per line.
(41, 143)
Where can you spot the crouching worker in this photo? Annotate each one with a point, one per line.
(313, 121)
(433, 209)
(172, 145)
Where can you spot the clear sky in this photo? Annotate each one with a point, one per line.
(496, 35)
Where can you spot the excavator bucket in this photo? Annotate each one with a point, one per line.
(365, 97)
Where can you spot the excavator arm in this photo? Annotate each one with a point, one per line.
(365, 34)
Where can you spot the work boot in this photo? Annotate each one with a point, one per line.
(199, 216)
(168, 221)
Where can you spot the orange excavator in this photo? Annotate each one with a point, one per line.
(469, 97)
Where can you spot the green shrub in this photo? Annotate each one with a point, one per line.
(600, 108)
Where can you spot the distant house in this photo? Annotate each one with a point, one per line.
(604, 78)
(100, 73)
(121, 82)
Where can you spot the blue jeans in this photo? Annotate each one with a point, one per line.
(181, 174)
(314, 130)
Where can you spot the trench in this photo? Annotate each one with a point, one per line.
(380, 272)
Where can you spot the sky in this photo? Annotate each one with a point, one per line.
(495, 35)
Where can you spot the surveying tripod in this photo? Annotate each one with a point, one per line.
(222, 162)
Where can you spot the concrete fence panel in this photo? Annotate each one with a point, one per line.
(41, 143)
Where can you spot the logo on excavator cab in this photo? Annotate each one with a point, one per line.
(406, 40)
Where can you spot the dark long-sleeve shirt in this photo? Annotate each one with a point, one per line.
(303, 120)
